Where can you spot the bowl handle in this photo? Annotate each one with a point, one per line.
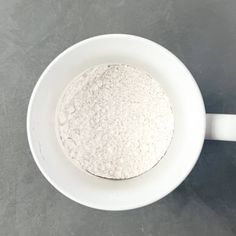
(221, 127)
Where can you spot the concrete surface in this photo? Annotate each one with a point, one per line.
(202, 33)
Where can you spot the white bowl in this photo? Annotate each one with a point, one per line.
(92, 191)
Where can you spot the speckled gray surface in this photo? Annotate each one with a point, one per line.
(202, 33)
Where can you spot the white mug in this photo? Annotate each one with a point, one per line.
(192, 125)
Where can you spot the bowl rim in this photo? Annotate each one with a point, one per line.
(134, 204)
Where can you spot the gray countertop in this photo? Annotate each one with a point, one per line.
(202, 33)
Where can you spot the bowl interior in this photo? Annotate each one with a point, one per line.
(101, 193)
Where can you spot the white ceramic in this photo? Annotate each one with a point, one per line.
(189, 113)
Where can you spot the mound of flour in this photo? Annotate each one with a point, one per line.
(114, 121)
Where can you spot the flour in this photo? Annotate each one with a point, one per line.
(114, 121)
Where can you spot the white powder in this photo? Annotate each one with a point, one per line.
(114, 121)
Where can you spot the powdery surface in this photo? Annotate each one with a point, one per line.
(114, 121)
